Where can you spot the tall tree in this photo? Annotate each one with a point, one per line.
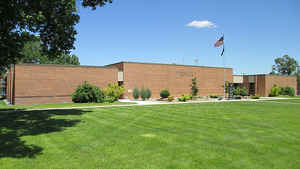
(53, 20)
(64, 59)
(32, 54)
(285, 65)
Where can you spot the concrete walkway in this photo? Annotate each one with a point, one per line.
(145, 103)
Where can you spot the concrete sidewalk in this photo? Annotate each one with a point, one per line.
(148, 102)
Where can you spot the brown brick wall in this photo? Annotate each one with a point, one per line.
(261, 85)
(176, 78)
(41, 84)
(119, 66)
(281, 81)
(8, 86)
(264, 83)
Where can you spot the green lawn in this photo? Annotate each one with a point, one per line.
(228, 135)
(290, 96)
(286, 100)
(3, 106)
(2, 103)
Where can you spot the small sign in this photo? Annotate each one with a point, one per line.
(129, 91)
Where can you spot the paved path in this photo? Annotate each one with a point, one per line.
(145, 103)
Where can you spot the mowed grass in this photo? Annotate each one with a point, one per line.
(286, 101)
(235, 135)
(4, 107)
(290, 96)
(2, 103)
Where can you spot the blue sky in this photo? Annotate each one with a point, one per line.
(256, 32)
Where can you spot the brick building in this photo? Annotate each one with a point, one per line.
(39, 84)
(261, 85)
(176, 78)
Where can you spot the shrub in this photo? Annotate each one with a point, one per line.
(148, 93)
(237, 91)
(290, 91)
(170, 98)
(189, 97)
(282, 91)
(274, 91)
(287, 91)
(164, 94)
(255, 97)
(87, 93)
(213, 96)
(194, 89)
(136, 93)
(114, 91)
(143, 93)
(109, 99)
(244, 91)
(182, 98)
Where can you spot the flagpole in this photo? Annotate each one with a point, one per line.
(224, 70)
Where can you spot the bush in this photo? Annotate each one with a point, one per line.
(287, 91)
(194, 89)
(109, 99)
(136, 93)
(148, 93)
(87, 93)
(244, 91)
(182, 98)
(114, 91)
(237, 91)
(274, 91)
(143, 93)
(290, 91)
(170, 98)
(213, 96)
(164, 94)
(282, 91)
(189, 97)
(255, 97)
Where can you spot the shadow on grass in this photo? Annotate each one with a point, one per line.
(15, 124)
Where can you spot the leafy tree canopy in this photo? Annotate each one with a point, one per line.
(285, 65)
(53, 20)
(32, 54)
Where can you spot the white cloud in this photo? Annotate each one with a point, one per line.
(201, 24)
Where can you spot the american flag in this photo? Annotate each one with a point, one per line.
(219, 42)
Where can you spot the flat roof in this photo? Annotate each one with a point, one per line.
(167, 64)
(61, 65)
(263, 75)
